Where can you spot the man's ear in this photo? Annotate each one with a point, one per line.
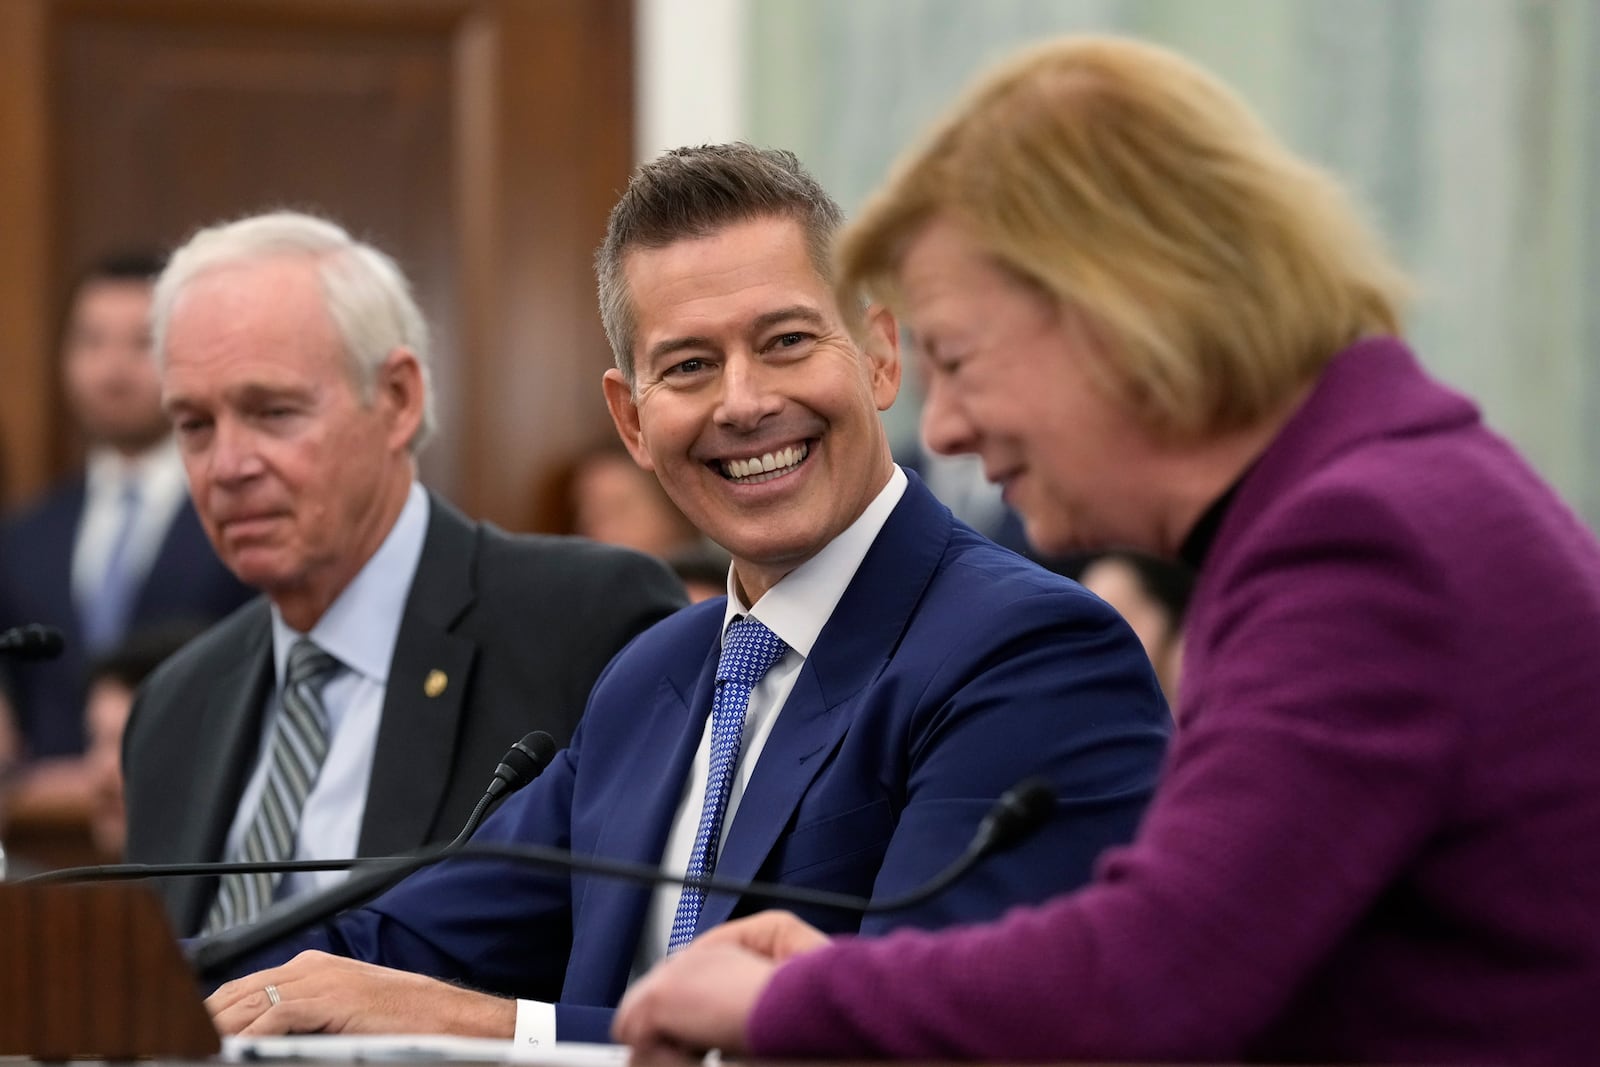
(880, 342)
(399, 392)
(625, 414)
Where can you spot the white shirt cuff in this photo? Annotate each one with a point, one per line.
(536, 1024)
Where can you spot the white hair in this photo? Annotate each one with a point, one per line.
(367, 297)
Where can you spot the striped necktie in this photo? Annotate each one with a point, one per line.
(299, 745)
(749, 650)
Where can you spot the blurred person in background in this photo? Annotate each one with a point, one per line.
(613, 501)
(114, 677)
(1378, 836)
(1153, 595)
(115, 546)
(702, 570)
(605, 496)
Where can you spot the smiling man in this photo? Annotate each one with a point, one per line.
(360, 704)
(877, 675)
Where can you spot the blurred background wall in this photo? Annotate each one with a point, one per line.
(481, 142)
(484, 140)
(1469, 128)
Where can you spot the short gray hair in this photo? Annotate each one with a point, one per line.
(694, 192)
(365, 293)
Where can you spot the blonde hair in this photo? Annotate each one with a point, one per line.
(1218, 270)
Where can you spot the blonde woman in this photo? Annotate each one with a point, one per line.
(1378, 838)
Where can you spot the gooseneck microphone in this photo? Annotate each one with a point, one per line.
(520, 765)
(1016, 814)
(216, 955)
(33, 641)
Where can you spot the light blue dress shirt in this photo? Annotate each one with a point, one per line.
(359, 629)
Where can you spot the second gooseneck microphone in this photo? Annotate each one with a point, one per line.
(33, 641)
(520, 765)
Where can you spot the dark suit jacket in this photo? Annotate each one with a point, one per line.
(520, 625)
(950, 670)
(186, 583)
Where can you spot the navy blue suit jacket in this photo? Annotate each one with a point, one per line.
(950, 670)
(186, 583)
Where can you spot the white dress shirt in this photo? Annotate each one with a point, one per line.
(796, 609)
(159, 476)
(359, 629)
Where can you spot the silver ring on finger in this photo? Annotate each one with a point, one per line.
(273, 998)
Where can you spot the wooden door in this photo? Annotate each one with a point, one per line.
(480, 142)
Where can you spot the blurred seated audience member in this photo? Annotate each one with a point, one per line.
(1377, 837)
(113, 679)
(116, 544)
(703, 570)
(612, 500)
(1153, 595)
(92, 799)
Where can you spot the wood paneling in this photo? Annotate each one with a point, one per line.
(27, 401)
(549, 148)
(93, 971)
(481, 142)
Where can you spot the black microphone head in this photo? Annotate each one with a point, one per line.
(524, 760)
(33, 641)
(1020, 811)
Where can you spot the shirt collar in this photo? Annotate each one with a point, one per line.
(360, 627)
(798, 607)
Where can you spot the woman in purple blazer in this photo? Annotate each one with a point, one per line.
(1378, 837)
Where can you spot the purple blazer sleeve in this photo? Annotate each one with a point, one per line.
(1304, 781)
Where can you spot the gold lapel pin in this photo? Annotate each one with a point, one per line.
(434, 684)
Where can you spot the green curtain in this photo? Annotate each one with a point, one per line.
(1470, 128)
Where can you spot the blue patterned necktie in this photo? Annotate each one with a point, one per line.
(299, 745)
(105, 615)
(749, 650)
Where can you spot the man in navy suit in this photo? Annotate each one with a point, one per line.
(117, 546)
(890, 671)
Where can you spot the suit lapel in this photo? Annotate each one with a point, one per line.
(654, 790)
(649, 790)
(227, 739)
(851, 650)
(417, 736)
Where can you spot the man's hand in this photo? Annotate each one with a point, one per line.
(318, 993)
(702, 997)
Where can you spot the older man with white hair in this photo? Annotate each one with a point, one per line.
(358, 706)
